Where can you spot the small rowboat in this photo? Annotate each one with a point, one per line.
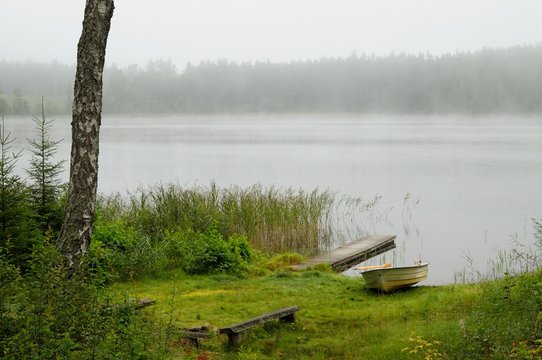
(388, 279)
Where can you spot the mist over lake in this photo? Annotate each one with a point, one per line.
(225, 162)
(472, 183)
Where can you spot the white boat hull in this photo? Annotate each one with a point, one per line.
(393, 278)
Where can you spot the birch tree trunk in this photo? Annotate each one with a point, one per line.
(74, 237)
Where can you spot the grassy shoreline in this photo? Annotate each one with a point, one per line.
(339, 318)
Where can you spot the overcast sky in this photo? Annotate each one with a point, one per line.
(277, 30)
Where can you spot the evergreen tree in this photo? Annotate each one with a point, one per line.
(44, 176)
(16, 230)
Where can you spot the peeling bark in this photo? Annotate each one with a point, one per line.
(76, 230)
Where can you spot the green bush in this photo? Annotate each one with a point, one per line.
(240, 246)
(46, 315)
(113, 249)
(208, 252)
(509, 314)
(119, 251)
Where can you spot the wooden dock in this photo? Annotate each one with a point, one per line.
(355, 252)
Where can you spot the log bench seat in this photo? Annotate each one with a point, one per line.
(236, 332)
(194, 334)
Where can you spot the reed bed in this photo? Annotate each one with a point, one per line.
(274, 219)
(524, 257)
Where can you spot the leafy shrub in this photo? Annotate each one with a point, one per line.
(205, 253)
(114, 235)
(507, 315)
(527, 350)
(420, 348)
(45, 315)
(119, 251)
(240, 246)
(113, 247)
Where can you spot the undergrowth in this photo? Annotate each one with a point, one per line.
(46, 315)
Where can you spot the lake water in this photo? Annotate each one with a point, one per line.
(476, 181)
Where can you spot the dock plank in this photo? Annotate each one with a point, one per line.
(352, 253)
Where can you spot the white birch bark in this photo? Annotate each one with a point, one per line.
(76, 230)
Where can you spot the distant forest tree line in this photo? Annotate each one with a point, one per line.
(483, 82)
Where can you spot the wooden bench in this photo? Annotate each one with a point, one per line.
(143, 303)
(236, 332)
(194, 334)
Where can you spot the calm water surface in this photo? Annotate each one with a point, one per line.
(477, 179)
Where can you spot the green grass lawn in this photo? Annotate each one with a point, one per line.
(339, 318)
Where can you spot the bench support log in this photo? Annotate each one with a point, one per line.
(288, 318)
(235, 339)
(195, 334)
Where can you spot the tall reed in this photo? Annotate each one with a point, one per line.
(274, 219)
(524, 257)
